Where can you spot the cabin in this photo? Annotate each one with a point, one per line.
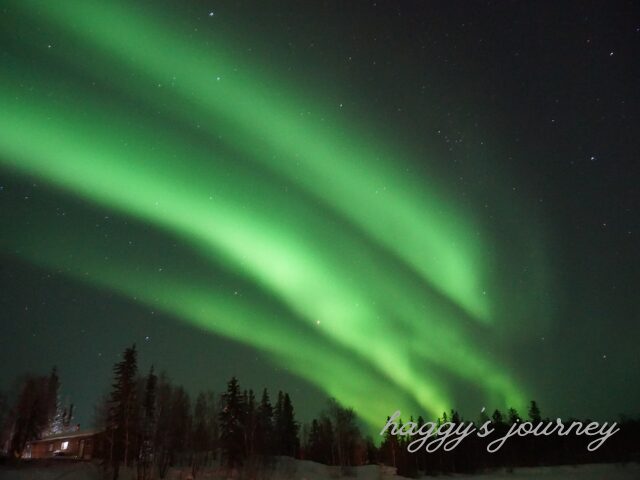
(78, 445)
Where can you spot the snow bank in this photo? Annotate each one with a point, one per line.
(565, 472)
(290, 469)
(57, 470)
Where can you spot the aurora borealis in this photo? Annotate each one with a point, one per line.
(294, 227)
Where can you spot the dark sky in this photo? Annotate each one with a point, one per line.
(406, 204)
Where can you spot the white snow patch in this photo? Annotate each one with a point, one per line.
(290, 469)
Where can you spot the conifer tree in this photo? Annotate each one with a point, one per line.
(327, 441)
(145, 456)
(67, 418)
(534, 412)
(278, 434)
(288, 428)
(30, 415)
(390, 448)
(58, 424)
(249, 422)
(497, 418)
(180, 424)
(122, 410)
(264, 425)
(200, 431)
(162, 447)
(201, 442)
(212, 422)
(314, 442)
(514, 416)
(53, 400)
(231, 431)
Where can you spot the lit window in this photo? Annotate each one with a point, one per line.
(64, 445)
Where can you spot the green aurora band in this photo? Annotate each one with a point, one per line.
(383, 291)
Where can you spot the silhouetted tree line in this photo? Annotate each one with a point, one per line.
(335, 438)
(150, 425)
(37, 411)
(153, 425)
(471, 456)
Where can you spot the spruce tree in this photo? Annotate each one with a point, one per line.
(390, 448)
(327, 442)
(212, 422)
(162, 451)
(278, 433)
(53, 402)
(264, 425)
(231, 424)
(180, 424)
(497, 418)
(68, 417)
(201, 440)
(201, 436)
(514, 416)
(314, 442)
(249, 422)
(288, 428)
(145, 456)
(122, 411)
(534, 412)
(30, 414)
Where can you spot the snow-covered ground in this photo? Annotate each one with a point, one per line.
(288, 469)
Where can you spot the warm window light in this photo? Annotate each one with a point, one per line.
(64, 445)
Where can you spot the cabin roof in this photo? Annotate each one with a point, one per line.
(68, 435)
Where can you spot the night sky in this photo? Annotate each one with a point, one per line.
(403, 205)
